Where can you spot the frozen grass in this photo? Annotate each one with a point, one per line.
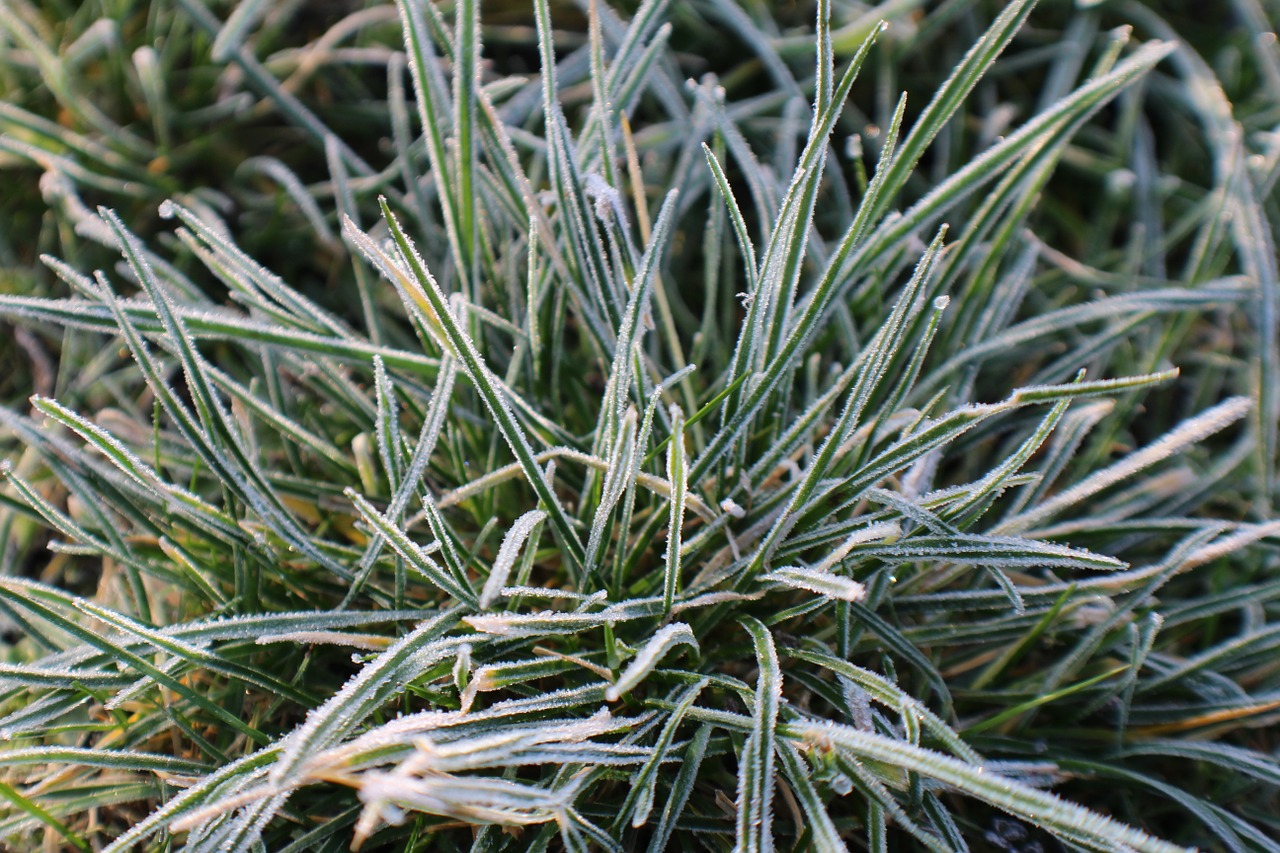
(425, 454)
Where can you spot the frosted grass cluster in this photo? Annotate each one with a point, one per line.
(552, 542)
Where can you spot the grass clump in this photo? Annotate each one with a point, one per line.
(618, 461)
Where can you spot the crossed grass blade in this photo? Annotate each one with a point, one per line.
(868, 504)
(1072, 822)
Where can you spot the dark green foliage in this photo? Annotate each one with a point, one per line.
(571, 427)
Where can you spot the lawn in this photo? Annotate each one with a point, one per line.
(601, 425)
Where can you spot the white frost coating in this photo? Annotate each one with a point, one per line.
(169, 666)
(871, 533)
(819, 581)
(390, 446)
(919, 476)
(756, 768)
(474, 799)
(247, 272)
(650, 653)
(631, 330)
(192, 649)
(238, 469)
(558, 622)
(1230, 544)
(447, 752)
(730, 507)
(608, 201)
(1104, 309)
(229, 778)
(126, 461)
(1175, 441)
(347, 708)
(462, 666)
(413, 553)
(368, 642)
(402, 729)
(215, 815)
(617, 479)
(586, 602)
(1003, 551)
(507, 553)
(678, 477)
(653, 483)
(253, 626)
(202, 632)
(545, 592)
(711, 599)
(56, 187)
(56, 676)
(1040, 807)
(394, 271)
(858, 701)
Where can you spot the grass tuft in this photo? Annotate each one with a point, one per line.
(663, 433)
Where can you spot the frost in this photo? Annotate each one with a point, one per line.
(732, 508)
(552, 622)
(1175, 441)
(608, 201)
(507, 554)
(367, 642)
(871, 533)
(819, 581)
(363, 693)
(667, 638)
